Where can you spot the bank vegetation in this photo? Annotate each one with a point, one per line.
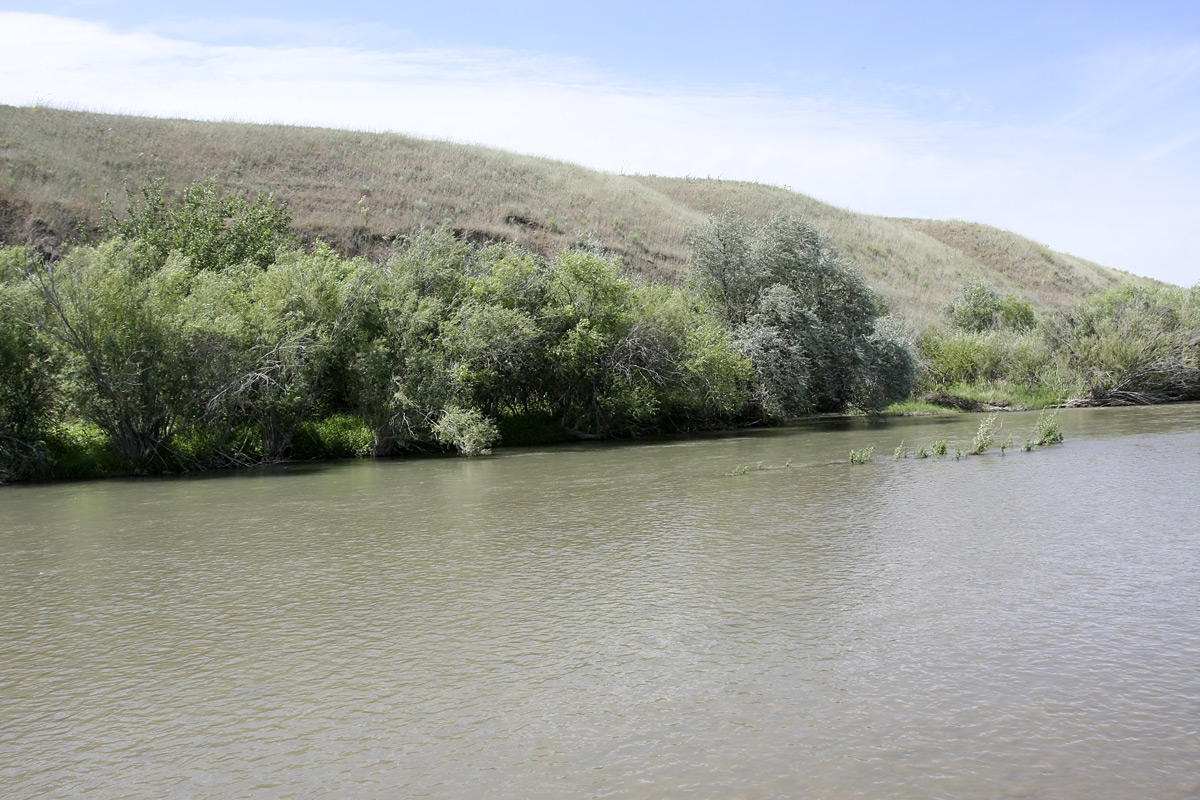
(1127, 345)
(199, 334)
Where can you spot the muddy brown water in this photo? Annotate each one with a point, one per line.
(621, 621)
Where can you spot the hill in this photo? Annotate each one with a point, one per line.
(357, 190)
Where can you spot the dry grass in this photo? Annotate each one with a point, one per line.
(915, 264)
(356, 190)
(1022, 267)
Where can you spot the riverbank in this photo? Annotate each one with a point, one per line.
(201, 336)
(81, 451)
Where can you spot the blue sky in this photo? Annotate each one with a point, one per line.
(1077, 124)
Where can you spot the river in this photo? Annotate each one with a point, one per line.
(621, 621)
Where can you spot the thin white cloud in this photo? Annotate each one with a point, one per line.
(1055, 183)
(1124, 83)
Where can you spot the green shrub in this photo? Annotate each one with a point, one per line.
(1020, 364)
(211, 230)
(978, 307)
(215, 447)
(1048, 429)
(975, 308)
(1016, 314)
(801, 315)
(1130, 345)
(951, 357)
(126, 362)
(985, 435)
(335, 436)
(468, 431)
(862, 456)
(83, 451)
(138, 363)
(1029, 363)
(27, 373)
(300, 324)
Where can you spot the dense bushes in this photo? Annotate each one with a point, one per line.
(447, 339)
(960, 357)
(27, 374)
(135, 363)
(1125, 345)
(199, 335)
(979, 307)
(1130, 345)
(807, 322)
(210, 230)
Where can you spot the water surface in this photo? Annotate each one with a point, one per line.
(621, 621)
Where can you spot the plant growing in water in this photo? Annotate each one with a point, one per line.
(742, 469)
(862, 456)
(939, 448)
(899, 452)
(1048, 429)
(985, 435)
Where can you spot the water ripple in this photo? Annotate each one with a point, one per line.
(620, 622)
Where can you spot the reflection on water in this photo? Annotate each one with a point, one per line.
(621, 621)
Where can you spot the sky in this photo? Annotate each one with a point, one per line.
(1076, 124)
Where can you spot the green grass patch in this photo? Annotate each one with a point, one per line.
(1007, 395)
(916, 408)
(81, 452)
(336, 436)
(201, 448)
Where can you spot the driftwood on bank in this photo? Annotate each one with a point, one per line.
(1162, 380)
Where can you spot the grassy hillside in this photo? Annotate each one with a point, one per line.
(356, 190)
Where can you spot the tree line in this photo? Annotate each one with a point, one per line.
(199, 334)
